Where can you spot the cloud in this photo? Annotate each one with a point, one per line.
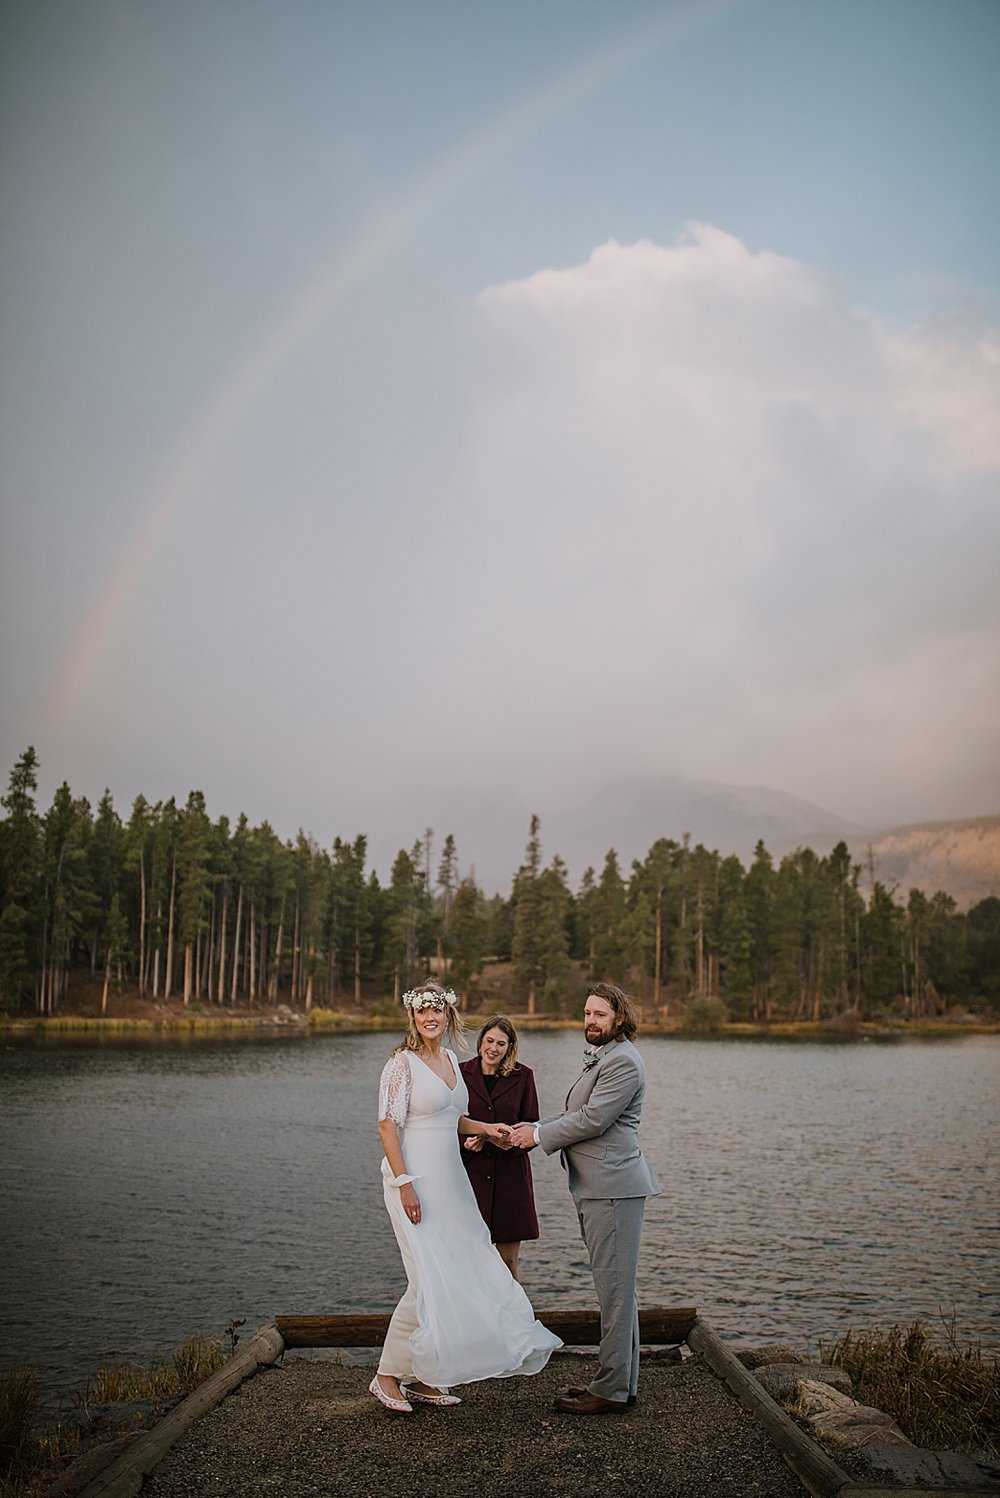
(747, 524)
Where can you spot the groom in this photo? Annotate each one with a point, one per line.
(609, 1180)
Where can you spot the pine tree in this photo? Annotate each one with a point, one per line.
(193, 854)
(527, 918)
(552, 947)
(759, 897)
(447, 880)
(109, 934)
(609, 923)
(402, 918)
(469, 933)
(735, 943)
(68, 897)
(20, 860)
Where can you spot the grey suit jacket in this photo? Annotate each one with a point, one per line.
(599, 1132)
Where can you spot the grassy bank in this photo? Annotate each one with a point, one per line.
(31, 1456)
(943, 1396)
(178, 1021)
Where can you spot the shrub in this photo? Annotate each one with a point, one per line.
(703, 1014)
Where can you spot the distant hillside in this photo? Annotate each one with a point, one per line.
(629, 815)
(961, 858)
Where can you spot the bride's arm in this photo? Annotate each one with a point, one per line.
(496, 1133)
(408, 1198)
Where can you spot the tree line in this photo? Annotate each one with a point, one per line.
(171, 904)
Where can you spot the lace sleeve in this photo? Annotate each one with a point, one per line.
(394, 1090)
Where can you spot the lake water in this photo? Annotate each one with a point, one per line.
(150, 1189)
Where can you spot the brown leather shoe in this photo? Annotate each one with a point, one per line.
(586, 1403)
(575, 1390)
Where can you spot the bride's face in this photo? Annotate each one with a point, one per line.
(430, 1023)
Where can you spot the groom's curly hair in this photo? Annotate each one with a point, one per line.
(626, 1011)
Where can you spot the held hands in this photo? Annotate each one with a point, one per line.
(522, 1136)
(498, 1134)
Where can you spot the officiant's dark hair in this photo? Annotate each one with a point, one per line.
(622, 1003)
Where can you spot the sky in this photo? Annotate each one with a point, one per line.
(419, 413)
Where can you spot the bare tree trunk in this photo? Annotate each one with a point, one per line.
(156, 953)
(699, 948)
(236, 944)
(107, 981)
(142, 924)
(253, 952)
(357, 966)
(274, 985)
(169, 975)
(658, 949)
(220, 992)
(309, 976)
(296, 956)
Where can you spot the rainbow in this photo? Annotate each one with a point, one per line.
(220, 421)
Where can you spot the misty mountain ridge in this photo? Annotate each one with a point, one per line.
(962, 857)
(629, 815)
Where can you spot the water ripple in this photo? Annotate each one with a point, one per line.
(151, 1190)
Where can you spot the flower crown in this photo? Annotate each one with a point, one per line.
(419, 998)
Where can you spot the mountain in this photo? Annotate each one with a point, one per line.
(962, 858)
(629, 815)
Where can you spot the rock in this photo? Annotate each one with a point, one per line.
(775, 1352)
(782, 1380)
(842, 1419)
(919, 1468)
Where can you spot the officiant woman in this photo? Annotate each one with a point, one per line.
(501, 1090)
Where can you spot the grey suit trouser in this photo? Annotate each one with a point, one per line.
(611, 1229)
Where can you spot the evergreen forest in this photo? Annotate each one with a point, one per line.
(171, 905)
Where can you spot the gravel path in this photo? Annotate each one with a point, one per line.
(311, 1428)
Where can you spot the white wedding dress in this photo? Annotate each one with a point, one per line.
(463, 1316)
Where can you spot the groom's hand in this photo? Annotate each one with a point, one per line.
(522, 1136)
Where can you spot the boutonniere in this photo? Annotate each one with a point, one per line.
(591, 1056)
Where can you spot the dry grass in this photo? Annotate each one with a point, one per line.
(941, 1395)
(117, 1383)
(18, 1402)
(31, 1457)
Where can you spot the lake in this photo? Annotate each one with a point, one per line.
(152, 1188)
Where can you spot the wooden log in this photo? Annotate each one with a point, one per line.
(811, 1465)
(125, 1477)
(856, 1491)
(576, 1328)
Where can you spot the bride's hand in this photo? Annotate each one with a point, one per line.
(410, 1202)
(474, 1142)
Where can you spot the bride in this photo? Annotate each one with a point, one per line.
(462, 1318)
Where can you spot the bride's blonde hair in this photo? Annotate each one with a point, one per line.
(454, 1034)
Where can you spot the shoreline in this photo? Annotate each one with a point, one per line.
(169, 1020)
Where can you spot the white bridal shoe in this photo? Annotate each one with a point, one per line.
(398, 1406)
(429, 1398)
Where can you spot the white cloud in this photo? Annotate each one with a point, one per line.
(770, 527)
(950, 385)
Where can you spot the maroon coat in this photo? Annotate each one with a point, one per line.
(501, 1179)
